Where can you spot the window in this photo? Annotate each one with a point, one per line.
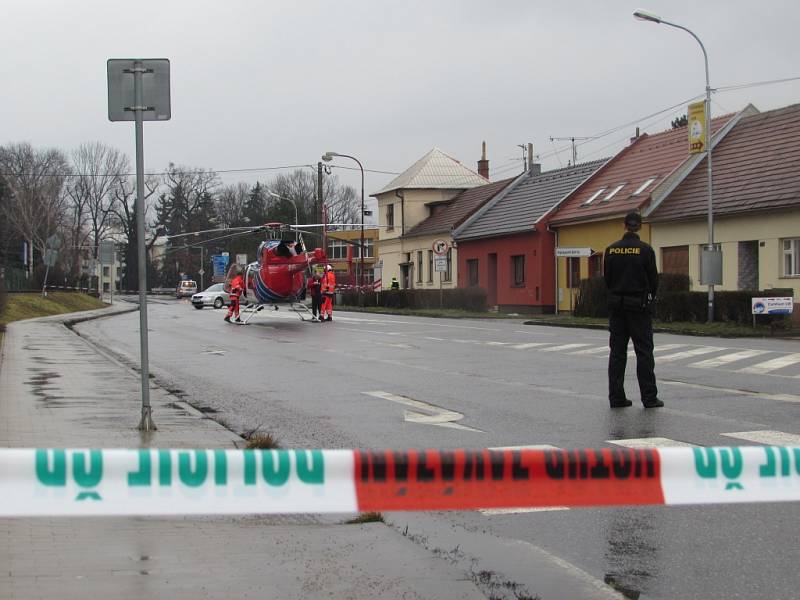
(595, 265)
(448, 275)
(643, 187)
(614, 192)
(389, 216)
(573, 271)
(791, 257)
(518, 270)
(675, 259)
(337, 249)
(430, 266)
(419, 266)
(368, 248)
(472, 272)
(594, 196)
(106, 271)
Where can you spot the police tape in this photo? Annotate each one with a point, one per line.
(51, 482)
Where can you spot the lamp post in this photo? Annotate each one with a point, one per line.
(643, 15)
(328, 157)
(279, 197)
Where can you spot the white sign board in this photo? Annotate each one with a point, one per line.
(440, 247)
(571, 252)
(241, 259)
(155, 89)
(772, 306)
(440, 264)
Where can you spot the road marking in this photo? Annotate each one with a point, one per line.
(726, 359)
(780, 397)
(771, 438)
(497, 343)
(665, 347)
(441, 417)
(597, 350)
(564, 347)
(653, 442)
(689, 353)
(530, 345)
(772, 365)
(513, 511)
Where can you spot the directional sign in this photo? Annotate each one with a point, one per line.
(441, 417)
(440, 247)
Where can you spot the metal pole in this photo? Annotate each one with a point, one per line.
(146, 423)
(318, 207)
(202, 270)
(363, 249)
(708, 159)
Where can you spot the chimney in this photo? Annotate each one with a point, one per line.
(483, 164)
(533, 168)
(635, 137)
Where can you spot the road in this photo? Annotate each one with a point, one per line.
(381, 381)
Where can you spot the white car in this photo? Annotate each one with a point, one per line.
(214, 296)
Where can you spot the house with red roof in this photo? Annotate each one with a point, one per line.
(590, 219)
(756, 208)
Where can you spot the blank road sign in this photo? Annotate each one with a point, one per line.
(155, 89)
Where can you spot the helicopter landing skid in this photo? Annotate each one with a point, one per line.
(253, 311)
(302, 311)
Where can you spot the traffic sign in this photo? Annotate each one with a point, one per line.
(440, 264)
(202, 272)
(155, 89)
(440, 247)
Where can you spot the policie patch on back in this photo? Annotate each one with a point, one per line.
(624, 250)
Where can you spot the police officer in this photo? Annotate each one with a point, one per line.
(629, 269)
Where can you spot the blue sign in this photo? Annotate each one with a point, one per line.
(220, 263)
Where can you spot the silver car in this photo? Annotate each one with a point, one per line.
(214, 296)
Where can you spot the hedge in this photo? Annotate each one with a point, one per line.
(676, 303)
(472, 299)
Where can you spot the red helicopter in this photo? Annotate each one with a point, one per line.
(280, 273)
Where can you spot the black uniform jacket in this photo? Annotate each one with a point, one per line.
(629, 268)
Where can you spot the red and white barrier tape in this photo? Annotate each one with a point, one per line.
(163, 482)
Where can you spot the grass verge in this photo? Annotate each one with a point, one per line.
(31, 305)
(367, 517)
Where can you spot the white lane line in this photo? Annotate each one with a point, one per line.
(530, 345)
(441, 417)
(513, 511)
(665, 347)
(726, 359)
(780, 397)
(564, 347)
(653, 442)
(497, 343)
(772, 365)
(771, 438)
(689, 353)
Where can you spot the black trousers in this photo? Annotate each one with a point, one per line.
(625, 325)
(316, 304)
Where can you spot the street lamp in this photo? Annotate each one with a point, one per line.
(328, 157)
(643, 15)
(279, 197)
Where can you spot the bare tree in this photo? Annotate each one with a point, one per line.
(231, 204)
(125, 215)
(97, 172)
(36, 205)
(342, 204)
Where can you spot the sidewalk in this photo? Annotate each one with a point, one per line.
(57, 390)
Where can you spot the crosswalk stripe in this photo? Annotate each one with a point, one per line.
(653, 442)
(689, 353)
(597, 350)
(564, 347)
(665, 347)
(772, 365)
(726, 359)
(530, 345)
(771, 438)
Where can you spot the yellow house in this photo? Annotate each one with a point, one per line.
(591, 217)
(422, 191)
(755, 209)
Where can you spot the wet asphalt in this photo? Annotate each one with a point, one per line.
(308, 384)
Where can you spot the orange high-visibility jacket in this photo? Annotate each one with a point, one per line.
(237, 286)
(328, 282)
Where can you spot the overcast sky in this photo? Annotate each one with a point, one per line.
(259, 84)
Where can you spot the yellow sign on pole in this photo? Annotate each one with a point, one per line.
(697, 127)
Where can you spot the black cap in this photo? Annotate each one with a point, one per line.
(633, 219)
